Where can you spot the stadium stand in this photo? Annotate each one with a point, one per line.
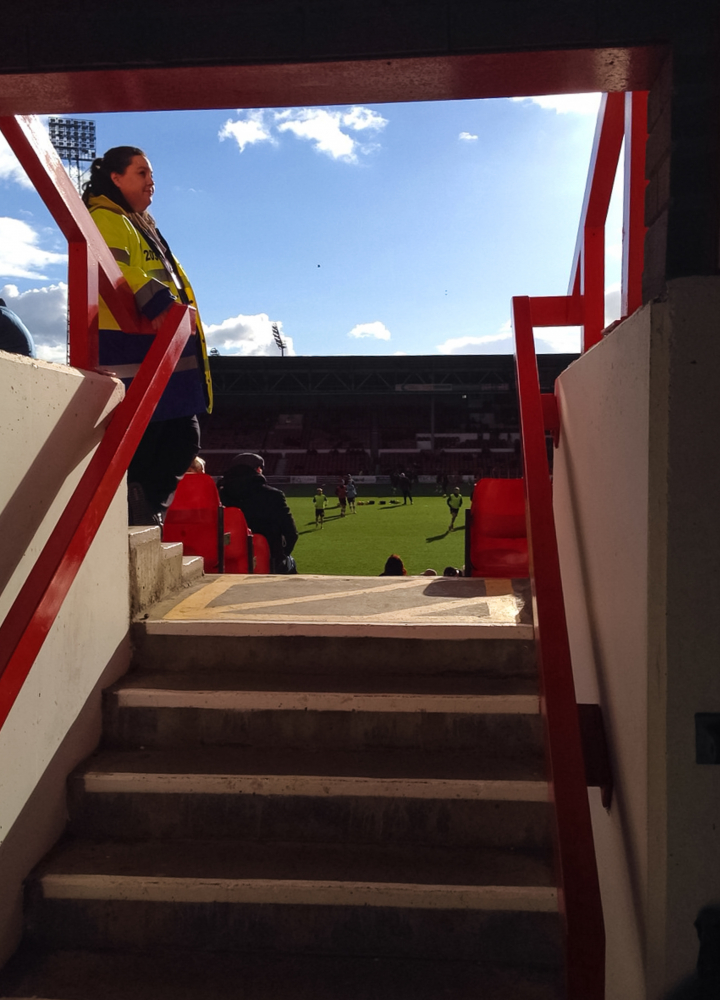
(426, 416)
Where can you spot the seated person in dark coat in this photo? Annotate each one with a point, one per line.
(265, 508)
(15, 338)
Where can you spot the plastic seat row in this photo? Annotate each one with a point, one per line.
(219, 534)
(498, 531)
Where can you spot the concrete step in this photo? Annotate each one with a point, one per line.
(448, 682)
(157, 569)
(195, 975)
(493, 726)
(295, 797)
(191, 646)
(508, 926)
(241, 860)
(286, 898)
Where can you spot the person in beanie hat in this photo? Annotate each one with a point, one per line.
(265, 508)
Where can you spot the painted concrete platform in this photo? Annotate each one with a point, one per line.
(437, 607)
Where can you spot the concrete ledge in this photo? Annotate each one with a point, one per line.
(157, 569)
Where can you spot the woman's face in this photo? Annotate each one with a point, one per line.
(136, 183)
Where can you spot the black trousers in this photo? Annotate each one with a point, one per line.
(163, 457)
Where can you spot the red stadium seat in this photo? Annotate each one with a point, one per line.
(195, 519)
(261, 551)
(498, 532)
(239, 548)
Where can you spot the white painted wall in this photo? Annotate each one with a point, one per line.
(636, 493)
(600, 486)
(52, 419)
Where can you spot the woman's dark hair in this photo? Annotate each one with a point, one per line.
(115, 161)
(394, 566)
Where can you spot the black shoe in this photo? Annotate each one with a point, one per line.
(139, 510)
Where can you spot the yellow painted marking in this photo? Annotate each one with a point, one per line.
(498, 587)
(198, 601)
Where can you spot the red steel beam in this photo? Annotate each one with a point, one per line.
(348, 81)
(634, 229)
(579, 889)
(34, 610)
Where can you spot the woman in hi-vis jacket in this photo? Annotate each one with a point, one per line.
(118, 196)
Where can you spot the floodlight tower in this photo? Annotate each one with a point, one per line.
(74, 142)
(278, 340)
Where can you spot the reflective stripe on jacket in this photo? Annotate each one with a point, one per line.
(189, 389)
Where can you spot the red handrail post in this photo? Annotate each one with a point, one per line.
(579, 888)
(587, 274)
(593, 285)
(83, 283)
(634, 229)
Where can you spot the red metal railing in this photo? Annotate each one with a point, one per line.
(620, 117)
(92, 269)
(579, 890)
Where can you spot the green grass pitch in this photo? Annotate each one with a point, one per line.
(358, 544)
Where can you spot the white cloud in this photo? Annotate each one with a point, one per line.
(467, 137)
(20, 256)
(359, 118)
(612, 303)
(562, 104)
(559, 339)
(10, 169)
(332, 131)
(44, 312)
(547, 341)
(377, 330)
(247, 131)
(322, 128)
(246, 336)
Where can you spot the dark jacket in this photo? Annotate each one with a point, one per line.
(15, 337)
(265, 509)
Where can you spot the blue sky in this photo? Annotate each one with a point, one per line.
(389, 229)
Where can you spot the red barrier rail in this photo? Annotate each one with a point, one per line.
(92, 268)
(579, 889)
(622, 117)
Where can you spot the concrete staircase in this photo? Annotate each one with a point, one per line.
(305, 817)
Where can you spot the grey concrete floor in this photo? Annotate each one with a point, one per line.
(455, 607)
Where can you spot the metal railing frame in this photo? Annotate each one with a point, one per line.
(578, 885)
(621, 116)
(92, 271)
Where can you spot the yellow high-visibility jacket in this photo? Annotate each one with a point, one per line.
(189, 389)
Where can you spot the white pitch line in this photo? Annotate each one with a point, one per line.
(328, 701)
(139, 888)
(124, 782)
